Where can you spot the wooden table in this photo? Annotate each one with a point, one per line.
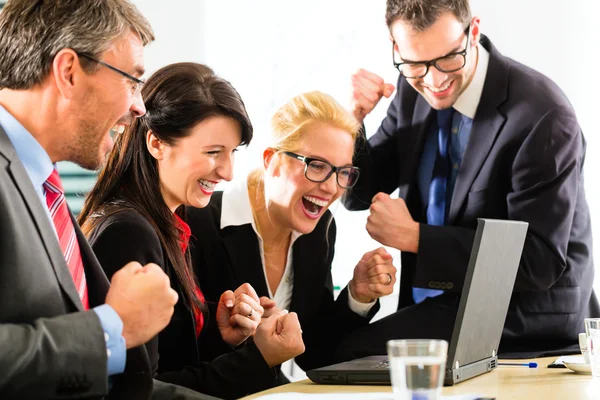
(503, 383)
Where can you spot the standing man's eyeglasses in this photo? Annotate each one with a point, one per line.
(449, 63)
(136, 88)
(316, 170)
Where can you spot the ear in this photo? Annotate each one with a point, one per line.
(155, 147)
(66, 72)
(268, 162)
(475, 31)
(268, 156)
(395, 47)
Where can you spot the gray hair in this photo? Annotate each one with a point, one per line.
(421, 14)
(32, 32)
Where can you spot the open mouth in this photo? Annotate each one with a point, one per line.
(442, 91)
(313, 206)
(207, 187)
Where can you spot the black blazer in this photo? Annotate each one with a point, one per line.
(50, 348)
(225, 259)
(523, 161)
(128, 236)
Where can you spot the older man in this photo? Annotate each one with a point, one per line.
(69, 72)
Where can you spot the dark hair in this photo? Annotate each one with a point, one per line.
(421, 14)
(177, 98)
(32, 32)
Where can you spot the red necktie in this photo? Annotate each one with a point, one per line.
(55, 198)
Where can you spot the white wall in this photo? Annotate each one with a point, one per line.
(272, 50)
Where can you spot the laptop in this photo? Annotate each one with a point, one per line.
(473, 349)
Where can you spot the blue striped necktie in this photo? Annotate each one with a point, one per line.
(436, 208)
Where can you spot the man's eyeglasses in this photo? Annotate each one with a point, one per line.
(449, 63)
(138, 83)
(317, 170)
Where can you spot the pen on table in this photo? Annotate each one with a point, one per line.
(530, 365)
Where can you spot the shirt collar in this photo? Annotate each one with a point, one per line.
(468, 101)
(33, 156)
(236, 209)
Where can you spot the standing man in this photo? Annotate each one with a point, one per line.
(69, 72)
(471, 134)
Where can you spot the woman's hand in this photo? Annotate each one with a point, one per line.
(238, 314)
(374, 276)
(269, 306)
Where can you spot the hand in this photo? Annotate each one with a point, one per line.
(238, 314)
(143, 298)
(367, 89)
(374, 276)
(269, 306)
(390, 224)
(279, 338)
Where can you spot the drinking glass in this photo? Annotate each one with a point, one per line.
(592, 330)
(417, 368)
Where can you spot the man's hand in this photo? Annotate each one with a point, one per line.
(143, 298)
(367, 90)
(374, 276)
(390, 223)
(238, 314)
(279, 338)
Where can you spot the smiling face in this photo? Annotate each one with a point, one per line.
(107, 100)
(190, 169)
(293, 201)
(445, 36)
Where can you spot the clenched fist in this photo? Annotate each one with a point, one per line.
(279, 338)
(238, 314)
(143, 298)
(367, 90)
(391, 224)
(374, 276)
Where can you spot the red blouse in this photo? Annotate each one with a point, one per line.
(184, 240)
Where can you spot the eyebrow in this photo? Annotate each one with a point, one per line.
(323, 159)
(454, 50)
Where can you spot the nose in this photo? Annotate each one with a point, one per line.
(435, 77)
(225, 169)
(138, 108)
(330, 185)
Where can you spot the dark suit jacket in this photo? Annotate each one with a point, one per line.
(225, 259)
(128, 236)
(523, 161)
(49, 347)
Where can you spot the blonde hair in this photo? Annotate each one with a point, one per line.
(289, 122)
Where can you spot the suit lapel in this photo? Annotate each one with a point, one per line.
(40, 219)
(421, 122)
(309, 260)
(304, 266)
(487, 124)
(241, 245)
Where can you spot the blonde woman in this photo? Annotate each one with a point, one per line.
(273, 230)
